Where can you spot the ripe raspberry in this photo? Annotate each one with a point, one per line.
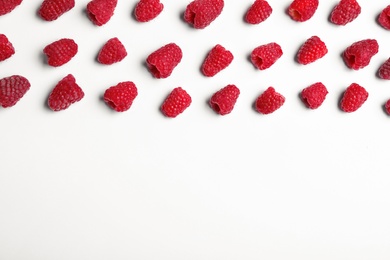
(6, 48)
(345, 12)
(101, 11)
(313, 49)
(314, 95)
(113, 51)
(7, 6)
(359, 54)
(201, 13)
(65, 93)
(266, 55)
(51, 10)
(384, 18)
(353, 98)
(12, 89)
(302, 10)
(223, 101)
(147, 10)
(269, 101)
(384, 70)
(217, 59)
(162, 61)
(60, 52)
(176, 102)
(121, 97)
(387, 107)
(258, 12)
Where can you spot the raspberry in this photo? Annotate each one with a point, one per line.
(314, 95)
(60, 52)
(387, 107)
(12, 89)
(147, 10)
(121, 97)
(50, 10)
(384, 18)
(269, 101)
(353, 98)
(266, 55)
(313, 49)
(113, 51)
(302, 10)
(201, 13)
(359, 54)
(101, 11)
(223, 101)
(258, 12)
(7, 6)
(176, 102)
(65, 93)
(345, 12)
(6, 48)
(162, 61)
(384, 70)
(217, 59)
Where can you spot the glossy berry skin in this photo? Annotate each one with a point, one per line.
(313, 49)
(345, 12)
(314, 95)
(387, 107)
(12, 89)
(112, 52)
(384, 18)
(302, 10)
(217, 60)
(121, 96)
(266, 55)
(384, 70)
(201, 13)
(6, 48)
(51, 10)
(258, 12)
(147, 10)
(269, 101)
(7, 6)
(101, 11)
(176, 102)
(353, 98)
(223, 101)
(64, 94)
(60, 52)
(163, 61)
(359, 54)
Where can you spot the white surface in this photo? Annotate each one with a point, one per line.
(89, 183)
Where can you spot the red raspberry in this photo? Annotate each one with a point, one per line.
(266, 55)
(269, 101)
(176, 102)
(113, 51)
(101, 11)
(353, 98)
(314, 95)
(359, 54)
(258, 12)
(162, 61)
(60, 52)
(12, 89)
(223, 101)
(6, 48)
(313, 49)
(345, 12)
(217, 59)
(384, 70)
(7, 6)
(201, 13)
(121, 97)
(384, 18)
(147, 10)
(302, 10)
(387, 107)
(65, 93)
(50, 10)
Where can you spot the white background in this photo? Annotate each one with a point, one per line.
(90, 183)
